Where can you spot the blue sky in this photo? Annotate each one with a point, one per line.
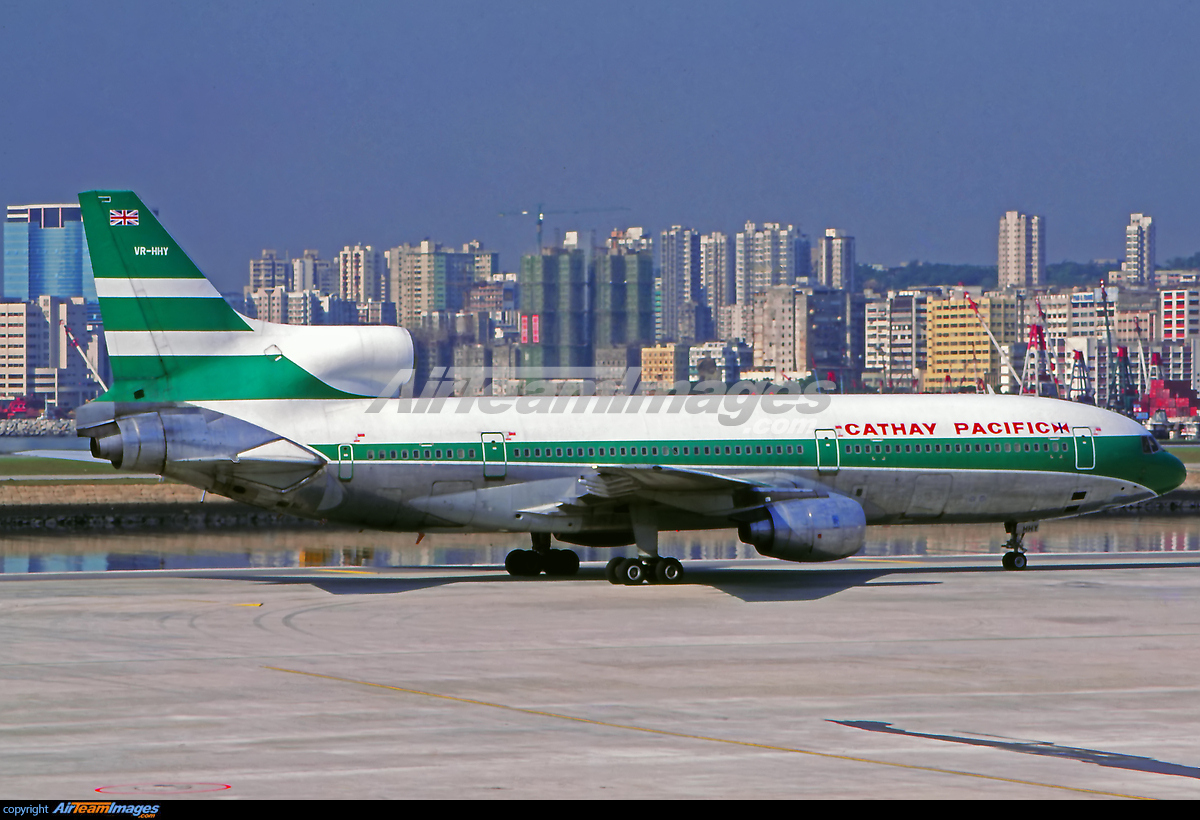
(913, 125)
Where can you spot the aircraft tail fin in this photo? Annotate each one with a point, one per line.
(172, 337)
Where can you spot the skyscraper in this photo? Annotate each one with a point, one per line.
(836, 260)
(624, 303)
(1139, 250)
(1022, 250)
(680, 271)
(766, 257)
(426, 277)
(555, 322)
(361, 274)
(45, 253)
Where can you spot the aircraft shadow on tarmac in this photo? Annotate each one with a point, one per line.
(751, 584)
(1112, 760)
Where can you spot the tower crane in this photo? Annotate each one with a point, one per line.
(539, 212)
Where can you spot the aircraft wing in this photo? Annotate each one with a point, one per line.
(697, 491)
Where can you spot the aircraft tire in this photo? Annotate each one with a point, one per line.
(562, 562)
(612, 570)
(1018, 560)
(632, 572)
(1006, 561)
(668, 571)
(523, 563)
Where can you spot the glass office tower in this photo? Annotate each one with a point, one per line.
(45, 253)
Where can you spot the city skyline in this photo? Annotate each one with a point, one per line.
(912, 126)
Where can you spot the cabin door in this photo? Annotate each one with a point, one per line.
(495, 463)
(345, 461)
(827, 452)
(1085, 448)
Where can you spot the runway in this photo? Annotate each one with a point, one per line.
(870, 678)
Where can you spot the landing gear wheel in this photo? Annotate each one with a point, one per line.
(632, 572)
(668, 571)
(1014, 560)
(612, 570)
(561, 562)
(523, 563)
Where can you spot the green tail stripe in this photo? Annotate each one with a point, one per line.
(215, 378)
(169, 313)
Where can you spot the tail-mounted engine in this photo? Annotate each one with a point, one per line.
(225, 453)
(807, 529)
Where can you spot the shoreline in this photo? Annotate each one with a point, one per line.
(46, 508)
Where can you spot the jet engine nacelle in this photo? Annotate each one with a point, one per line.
(807, 529)
(168, 439)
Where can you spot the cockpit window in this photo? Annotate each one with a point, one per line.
(1150, 444)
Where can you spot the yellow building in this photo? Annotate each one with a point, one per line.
(961, 356)
(664, 365)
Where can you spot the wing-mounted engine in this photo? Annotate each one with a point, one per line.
(198, 446)
(807, 529)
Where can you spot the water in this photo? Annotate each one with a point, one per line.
(326, 547)
(16, 444)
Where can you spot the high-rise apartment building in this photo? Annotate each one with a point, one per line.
(896, 339)
(270, 271)
(554, 325)
(716, 274)
(1139, 250)
(362, 276)
(679, 254)
(1022, 250)
(767, 257)
(311, 272)
(426, 277)
(45, 253)
(623, 308)
(36, 356)
(799, 331)
(836, 260)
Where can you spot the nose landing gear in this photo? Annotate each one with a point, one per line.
(1015, 557)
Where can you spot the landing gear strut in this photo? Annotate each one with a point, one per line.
(1015, 557)
(531, 563)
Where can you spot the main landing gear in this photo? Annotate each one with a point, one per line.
(1015, 557)
(531, 563)
(654, 569)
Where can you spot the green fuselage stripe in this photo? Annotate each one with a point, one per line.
(1116, 456)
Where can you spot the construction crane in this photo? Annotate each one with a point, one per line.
(539, 212)
(995, 344)
(75, 344)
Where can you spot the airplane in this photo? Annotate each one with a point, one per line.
(313, 421)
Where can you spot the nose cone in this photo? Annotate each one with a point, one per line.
(1165, 473)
